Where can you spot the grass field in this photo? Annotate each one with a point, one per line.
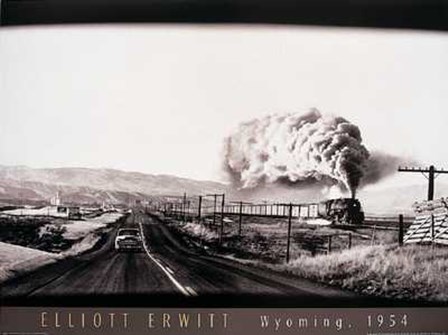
(265, 238)
(411, 272)
(374, 265)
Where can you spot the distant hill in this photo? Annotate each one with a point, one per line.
(398, 199)
(85, 185)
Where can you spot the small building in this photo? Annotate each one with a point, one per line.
(71, 212)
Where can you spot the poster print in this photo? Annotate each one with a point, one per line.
(169, 178)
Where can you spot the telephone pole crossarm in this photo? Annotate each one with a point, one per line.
(406, 169)
(431, 171)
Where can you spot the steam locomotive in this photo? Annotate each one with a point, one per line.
(341, 211)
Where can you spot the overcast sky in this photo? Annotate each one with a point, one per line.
(160, 99)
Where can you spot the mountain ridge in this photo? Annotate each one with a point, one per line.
(98, 185)
(94, 185)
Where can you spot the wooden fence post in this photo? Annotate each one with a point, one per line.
(329, 243)
(373, 235)
(222, 219)
(184, 207)
(199, 209)
(349, 240)
(433, 232)
(288, 243)
(400, 229)
(188, 210)
(214, 211)
(240, 219)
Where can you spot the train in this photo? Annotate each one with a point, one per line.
(341, 211)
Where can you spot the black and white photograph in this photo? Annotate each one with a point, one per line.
(223, 166)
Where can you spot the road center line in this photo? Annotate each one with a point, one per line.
(189, 289)
(168, 274)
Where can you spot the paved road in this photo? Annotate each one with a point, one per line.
(167, 267)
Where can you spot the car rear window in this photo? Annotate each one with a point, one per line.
(133, 232)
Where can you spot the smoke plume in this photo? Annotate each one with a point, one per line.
(381, 165)
(296, 148)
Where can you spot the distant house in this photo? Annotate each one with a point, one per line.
(56, 200)
(71, 212)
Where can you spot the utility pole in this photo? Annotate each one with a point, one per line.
(430, 173)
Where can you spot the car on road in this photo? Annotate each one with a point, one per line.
(128, 239)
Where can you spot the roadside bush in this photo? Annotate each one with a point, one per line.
(24, 232)
(52, 239)
(33, 233)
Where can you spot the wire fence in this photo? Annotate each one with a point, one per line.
(275, 232)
